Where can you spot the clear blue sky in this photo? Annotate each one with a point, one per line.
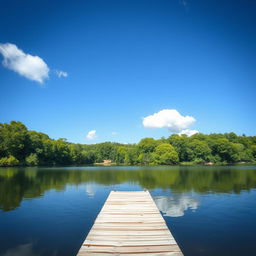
(128, 59)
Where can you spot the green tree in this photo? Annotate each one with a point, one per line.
(227, 151)
(180, 145)
(106, 150)
(75, 153)
(32, 159)
(37, 141)
(253, 151)
(14, 140)
(9, 161)
(165, 154)
(61, 152)
(198, 151)
(131, 156)
(145, 158)
(147, 145)
(88, 157)
(120, 154)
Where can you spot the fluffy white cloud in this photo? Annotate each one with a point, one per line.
(188, 132)
(175, 206)
(168, 118)
(91, 135)
(61, 73)
(31, 67)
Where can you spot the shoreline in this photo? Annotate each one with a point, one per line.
(142, 165)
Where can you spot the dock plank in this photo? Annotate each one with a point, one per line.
(129, 224)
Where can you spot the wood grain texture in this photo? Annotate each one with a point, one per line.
(129, 224)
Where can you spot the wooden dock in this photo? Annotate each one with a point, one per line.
(129, 224)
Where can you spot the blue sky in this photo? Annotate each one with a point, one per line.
(126, 60)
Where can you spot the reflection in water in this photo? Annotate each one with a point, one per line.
(21, 250)
(89, 189)
(176, 205)
(56, 223)
(19, 183)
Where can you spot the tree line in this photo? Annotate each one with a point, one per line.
(20, 146)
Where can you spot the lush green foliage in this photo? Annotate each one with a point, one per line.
(165, 154)
(9, 161)
(20, 146)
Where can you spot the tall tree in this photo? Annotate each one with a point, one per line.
(165, 154)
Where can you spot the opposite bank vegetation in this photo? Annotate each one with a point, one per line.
(22, 147)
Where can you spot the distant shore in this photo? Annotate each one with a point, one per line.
(31, 148)
(140, 165)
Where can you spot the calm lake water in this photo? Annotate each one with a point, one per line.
(49, 211)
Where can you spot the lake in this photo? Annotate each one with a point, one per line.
(49, 211)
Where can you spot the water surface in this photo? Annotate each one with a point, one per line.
(49, 211)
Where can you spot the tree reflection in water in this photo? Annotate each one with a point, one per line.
(17, 184)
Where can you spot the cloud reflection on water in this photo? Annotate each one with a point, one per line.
(21, 250)
(176, 205)
(89, 188)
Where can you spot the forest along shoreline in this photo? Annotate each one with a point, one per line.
(22, 147)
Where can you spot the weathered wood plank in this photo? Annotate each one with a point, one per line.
(101, 242)
(129, 224)
(128, 238)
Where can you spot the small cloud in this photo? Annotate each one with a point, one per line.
(61, 73)
(188, 132)
(113, 133)
(31, 67)
(170, 119)
(91, 135)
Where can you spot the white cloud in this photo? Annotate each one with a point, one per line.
(188, 132)
(113, 133)
(61, 73)
(91, 135)
(168, 118)
(175, 206)
(31, 67)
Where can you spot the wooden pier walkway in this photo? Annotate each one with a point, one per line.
(129, 224)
